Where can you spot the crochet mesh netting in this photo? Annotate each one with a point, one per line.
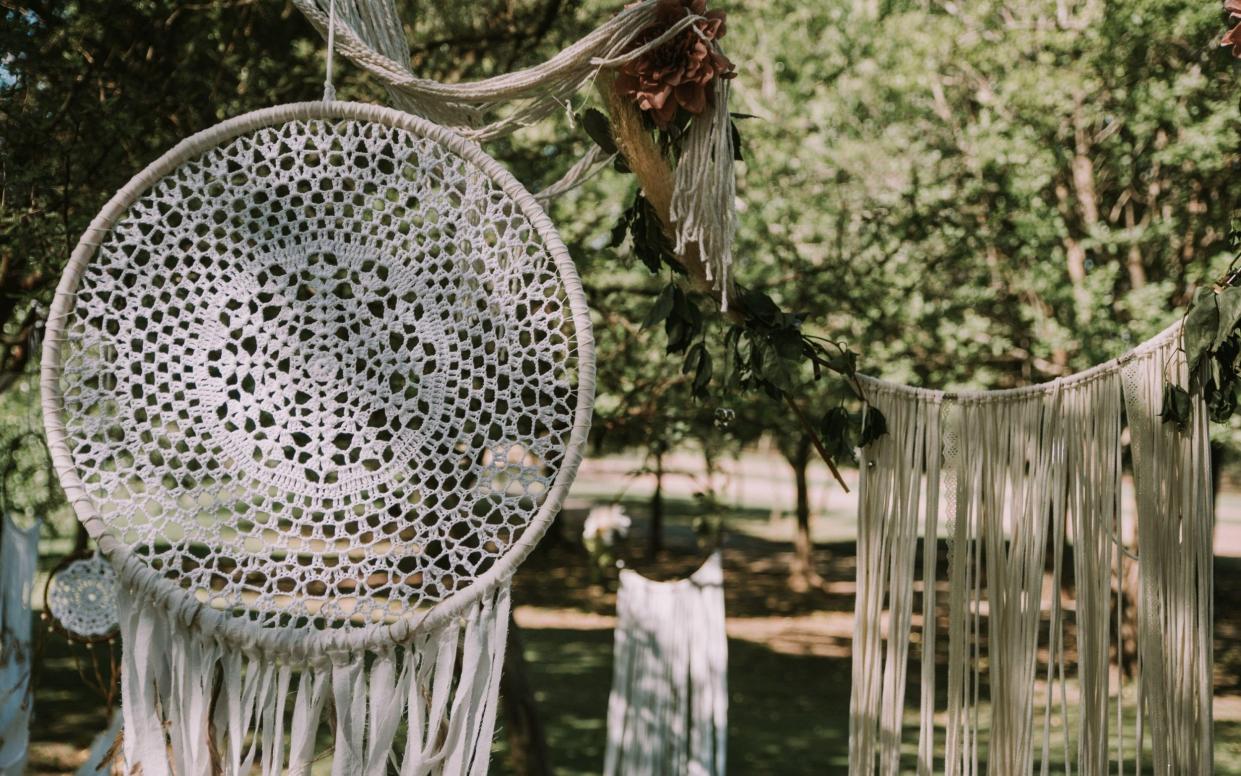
(323, 373)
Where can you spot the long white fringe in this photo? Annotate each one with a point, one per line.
(1172, 474)
(1018, 475)
(196, 707)
(98, 763)
(668, 710)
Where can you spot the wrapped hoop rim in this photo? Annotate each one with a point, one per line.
(308, 643)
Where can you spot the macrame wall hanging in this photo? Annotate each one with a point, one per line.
(316, 381)
(1027, 480)
(19, 559)
(668, 711)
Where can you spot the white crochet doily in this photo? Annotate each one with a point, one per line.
(81, 596)
(324, 371)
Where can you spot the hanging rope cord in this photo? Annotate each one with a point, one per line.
(703, 211)
(329, 89)
(1052, 386)
(369, 35)
(1173, 528)
(1092, 374)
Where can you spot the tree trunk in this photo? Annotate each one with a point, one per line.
(527, 740)
(655, 539)
(802, 575)
(1083, 179)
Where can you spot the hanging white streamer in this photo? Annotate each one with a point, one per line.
(1172, 475)
(668, 710)
(444, 686)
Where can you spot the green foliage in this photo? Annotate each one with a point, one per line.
(971, 195)
(1211, 340)
(985, 195)
(1176, 406)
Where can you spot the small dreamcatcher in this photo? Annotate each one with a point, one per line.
(79, 603)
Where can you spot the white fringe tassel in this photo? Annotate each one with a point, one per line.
(196, 707)
(1172, 473)
(704, 192)
(668, 711)
(1017, 475)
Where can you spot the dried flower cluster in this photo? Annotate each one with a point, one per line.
(680, 72)
(1233, 37)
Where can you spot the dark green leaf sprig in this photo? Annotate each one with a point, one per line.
(765, 348)
(1211, 341)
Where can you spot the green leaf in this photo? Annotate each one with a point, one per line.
(874, 425)
(600, 130)
(649, 242)
(836, 432)
(679, 334)
(621, 228)
(738, 156)
(702, 374)
(760, 306)
(692, 357)
(776, 369)
(662, 307)
(1221, 404)
(1228, 302)
(1176, 406)
(1201, 325)
(687, 308)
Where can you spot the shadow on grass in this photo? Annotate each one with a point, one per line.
(68, 710)
(787, 714)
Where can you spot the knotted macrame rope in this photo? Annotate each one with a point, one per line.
(1017, 474)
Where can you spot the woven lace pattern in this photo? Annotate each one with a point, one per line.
(82, 597)
(321, 374)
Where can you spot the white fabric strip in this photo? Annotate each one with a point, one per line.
(19, 558)
(97, 761)
(444, 686)
(1175, 540)
(891, 510)
(667, 714)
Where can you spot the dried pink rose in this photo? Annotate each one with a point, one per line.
(1233, 37)
(679, 73)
